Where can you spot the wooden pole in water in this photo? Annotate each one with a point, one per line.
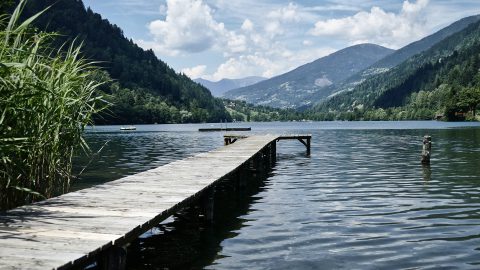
(427, 149)
(308, 146)
(115, 258)
(209, 201)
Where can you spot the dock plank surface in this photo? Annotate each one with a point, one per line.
(74, 226)
(59, 232)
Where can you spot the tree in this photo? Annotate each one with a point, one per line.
(469, 97)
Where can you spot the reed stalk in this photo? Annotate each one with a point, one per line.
(47, 98)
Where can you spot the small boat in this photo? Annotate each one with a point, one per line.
(128, 128)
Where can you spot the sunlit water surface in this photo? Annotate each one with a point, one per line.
(362, 200)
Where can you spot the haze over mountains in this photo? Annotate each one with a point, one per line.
(220, 87)
(293, 88)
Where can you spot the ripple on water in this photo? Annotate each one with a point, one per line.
(364, 201)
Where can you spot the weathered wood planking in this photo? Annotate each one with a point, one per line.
(59, 232)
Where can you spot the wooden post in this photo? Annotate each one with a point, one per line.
(209, 204)
(274, 152)
(243, 177)
(308, 146)
(115, 258)
(267, 156)
(427, 149)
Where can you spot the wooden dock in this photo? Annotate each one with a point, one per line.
(225, 129)
(95, 224)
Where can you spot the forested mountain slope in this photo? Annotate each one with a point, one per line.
(399, 56)
(144, 89)
(293, 88)
(445, 79)
(220, 87)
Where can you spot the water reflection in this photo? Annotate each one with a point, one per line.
(189, 240)
(427, 173)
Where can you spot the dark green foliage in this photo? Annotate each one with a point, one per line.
(242, 111)
(6, 6)
(47, 99)
(139, 74)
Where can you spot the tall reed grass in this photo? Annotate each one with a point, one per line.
(47, 98)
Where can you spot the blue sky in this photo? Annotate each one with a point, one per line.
(217, 39)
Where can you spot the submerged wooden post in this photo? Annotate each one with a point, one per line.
(115, 258)
(427, 149)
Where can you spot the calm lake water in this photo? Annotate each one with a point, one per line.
(362, 200)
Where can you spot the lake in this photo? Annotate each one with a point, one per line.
(361, 200)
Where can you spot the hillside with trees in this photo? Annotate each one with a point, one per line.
(442, 81)
(295, 88)
(142, 88)
(399, 56)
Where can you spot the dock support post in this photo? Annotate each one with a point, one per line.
(273, 152)
(427, 149)
(266, 157)
(308, 146)
(115, 258)
(306, 142)
(209, 201)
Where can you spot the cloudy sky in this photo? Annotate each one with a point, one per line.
(217, 39)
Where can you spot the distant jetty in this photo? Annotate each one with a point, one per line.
(225, 129)
(128, 128)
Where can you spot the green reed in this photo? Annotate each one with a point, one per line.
(47, 98)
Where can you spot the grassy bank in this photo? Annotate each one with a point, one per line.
(47, 99)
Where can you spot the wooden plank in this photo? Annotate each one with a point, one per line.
(75, 226)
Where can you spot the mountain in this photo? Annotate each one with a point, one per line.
(399, 56)
(220, 87)
(143, 89)
(442, 80)
(291, 89)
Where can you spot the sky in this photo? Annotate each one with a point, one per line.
(216, 39)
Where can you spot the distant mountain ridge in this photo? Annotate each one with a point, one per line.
(292, 89)
(218, 88)
(442, 80)
(400, 56)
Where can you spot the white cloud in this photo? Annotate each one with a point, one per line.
(278, 18)
(276, 61)
(247, 25)
(285, 14)
(307, 42)
(378, 26)
(195, 72)
(412, 8)
(188, 27)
